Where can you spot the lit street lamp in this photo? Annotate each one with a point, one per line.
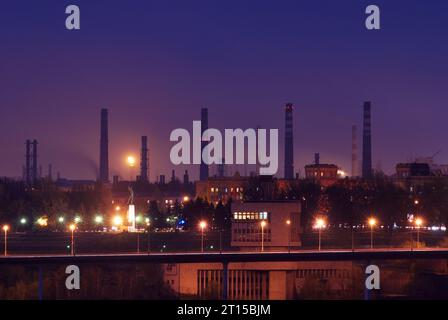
(320, 224)
(72, 229)
(5, 229)
(288, 223)
(263, 224)
(372, 223)
(202, 225)
(137, 220)
(98, 219)
(148, 224)
(117, 221)
(418, 223)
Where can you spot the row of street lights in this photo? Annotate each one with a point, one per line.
(319, 224)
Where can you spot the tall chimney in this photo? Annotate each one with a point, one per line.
(367, 143)
(34, 175)
(28, 163)
(186, 178)
(203, 170)
(316, 158)
(173, 176)
(144, 160)
(289, 145)
(354, 152)
(104, 147)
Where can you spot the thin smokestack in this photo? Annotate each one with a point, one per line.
(34, 159)
(104, 147)
(144, 160)
(203, 171)
(317, 158)
(289, 144)
(186, 178)
(367, 143)
(354, 152)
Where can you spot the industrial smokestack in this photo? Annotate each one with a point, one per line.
(104, 147)
(34, 160)
(173, 176)
(289, 147)
(28, 163)
(354, 152)
(144, 160)
(186, 178)
(367, 143)
(203, 171)
(316, 158)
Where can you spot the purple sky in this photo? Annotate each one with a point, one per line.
(154, 64)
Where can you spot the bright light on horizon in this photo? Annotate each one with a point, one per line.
(131, 161)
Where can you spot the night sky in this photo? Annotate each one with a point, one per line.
(154, 64)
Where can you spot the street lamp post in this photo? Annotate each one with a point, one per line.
(263, 224)
(5, 229)
(202, 225)
(148, 224)
(320, 224)
(137, 219)
(288, 223)
(72, 229)
(418, 223)
(372, 223)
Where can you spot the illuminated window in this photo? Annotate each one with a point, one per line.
(212, 189)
